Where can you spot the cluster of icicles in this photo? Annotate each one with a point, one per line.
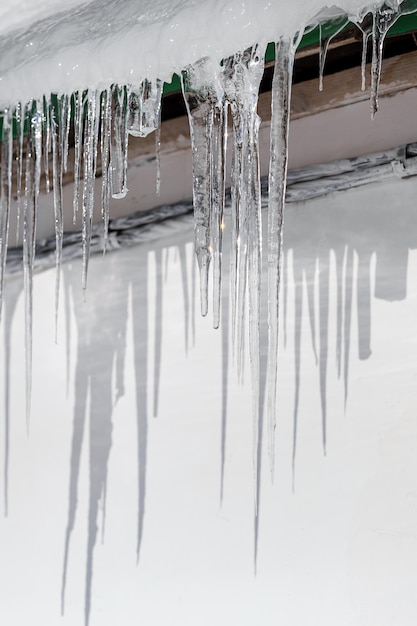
(102, 122)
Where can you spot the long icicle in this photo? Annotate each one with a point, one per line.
(105, 171)
(242, 77)
(280, 120)
(90, 163)
(328, 31)
(217, 204)
(150, 107)
(46, 142)
(5, 194)
(254, 284)
(32, 184)
(198, 98)
(365, 25)
(20, 130)
(228, 77)
(64, 126)
(118, 142)
(78, 143)
(57, 173)
(233, 69)
(383, 18)
(249, 253)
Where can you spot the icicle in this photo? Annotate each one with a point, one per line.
(242, 76)
(64, 120)
(206, 89)
(328, 31)
(134, 113)
(280, 118)
(383, 18)
(144, 117)
(90, 163)
(365, 25)
(64, 125)
(217, 204)
(118, 143)
(254, 280)
(235, 203)
(32, 183)
(105, 171)
(5, 193)
(58, 141)
(145, 108)
(158, 160)
(199, 96)
(239, 234)
(47, 143)
(78, 142)
(20, 130)
(151, 94)
(158, 101)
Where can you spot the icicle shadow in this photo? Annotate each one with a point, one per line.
(324, 292)
(101, 323)
(140, 341)
(339, 254)
(13, 289)
(185, 293)
(363, 295)
(359, 238)
(158, 329)
(298, 313)
(225, 325)
(347, 320)
(263, 377)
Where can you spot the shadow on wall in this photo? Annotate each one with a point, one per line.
(323, 238)
(348, 240)
(101, 347)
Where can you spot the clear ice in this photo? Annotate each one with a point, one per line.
(201, 89)
(280, 120)
(221, 102)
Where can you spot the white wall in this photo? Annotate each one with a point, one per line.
(339, 550)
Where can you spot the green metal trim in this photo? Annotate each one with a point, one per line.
(173, 86)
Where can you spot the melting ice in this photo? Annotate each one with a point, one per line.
(217, 95)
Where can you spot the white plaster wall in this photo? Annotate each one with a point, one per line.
(341, 549)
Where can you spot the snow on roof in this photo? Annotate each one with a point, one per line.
(45, 48)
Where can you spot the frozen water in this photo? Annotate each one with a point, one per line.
(201, 98)
(104, 99)
(102, 120)
(90, 163)
(328, 31)
(280, 121)
(5, 194)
